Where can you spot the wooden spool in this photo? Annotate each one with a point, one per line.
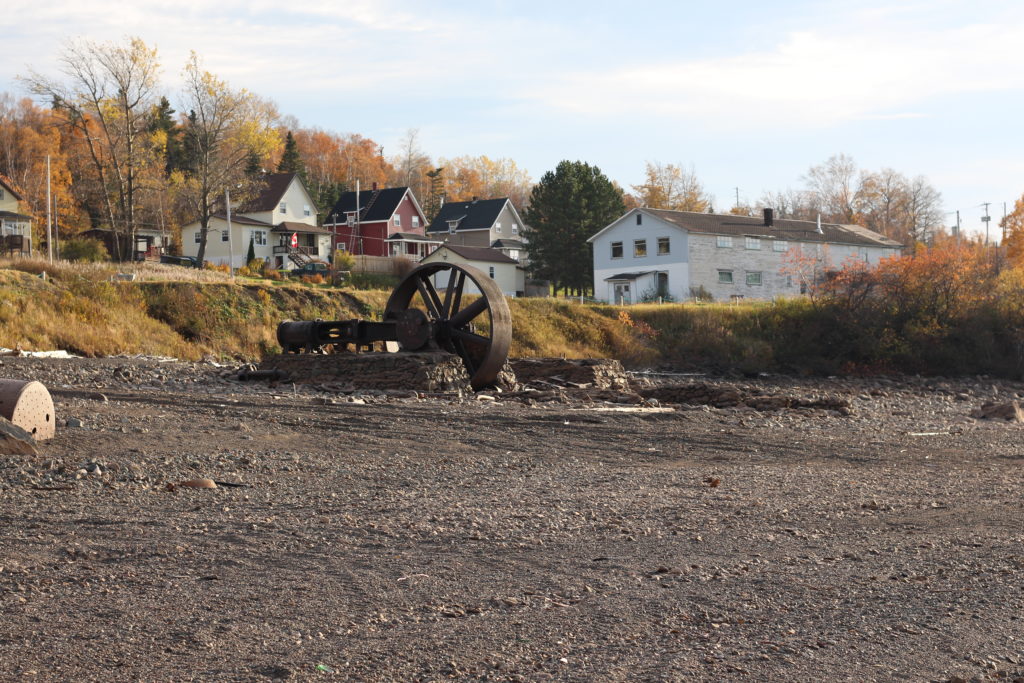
(28, 405)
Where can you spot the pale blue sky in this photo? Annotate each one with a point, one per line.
(751, 94)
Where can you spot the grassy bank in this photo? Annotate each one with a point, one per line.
(82, 311)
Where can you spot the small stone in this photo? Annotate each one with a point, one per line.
(73, 422)
(198, 484)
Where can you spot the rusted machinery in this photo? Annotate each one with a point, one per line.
(433, 307)
(29, 406)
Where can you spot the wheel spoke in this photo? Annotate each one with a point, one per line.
(467, 358)
(449, 291)
(470, 337)
(430, 298)
(463, 317)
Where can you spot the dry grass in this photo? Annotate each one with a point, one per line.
(145, 271)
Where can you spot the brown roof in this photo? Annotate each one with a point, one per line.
(273, 188)
(7, 183)
(242, 220)
(781, 229)
(294, 226)
(480, 254)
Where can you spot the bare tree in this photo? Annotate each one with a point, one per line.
(106, 97)
(412, 163)
(226, 128)
(835, 185)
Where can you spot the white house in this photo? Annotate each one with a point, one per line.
(652, 253)
(15, 227)
(284, 209)
(491, 262)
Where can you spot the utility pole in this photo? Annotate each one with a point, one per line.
(958, 226)
(985, 219)
(231, 240)
(1004, 224)
(737, 196)
(49, 229)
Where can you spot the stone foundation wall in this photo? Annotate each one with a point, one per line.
(424, 371)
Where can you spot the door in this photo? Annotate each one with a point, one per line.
(622, 293)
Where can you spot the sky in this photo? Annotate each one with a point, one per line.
(748, 94)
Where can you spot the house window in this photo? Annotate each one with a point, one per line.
(1, 193)
(639, 219)
(283, 208)
(490, 271)
(663, 246)
(224, 237)
(864, 255)
(305, 210)
(780, 245)
(724, 241)
(515, 228)
(513, 253)
(398, 221)
(754, 278)
(452, 225)
(350, 217)
(753, 243)
(639, 248)
(415, 221)
(616, 249)
(259, 237)
(199, 236)
(725, 277)
(497, 226)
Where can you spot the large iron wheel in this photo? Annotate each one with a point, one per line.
(478, 330)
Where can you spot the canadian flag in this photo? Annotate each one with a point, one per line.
(295, 240)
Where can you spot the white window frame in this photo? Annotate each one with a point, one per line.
(638, 246)
(306, 210)
(667, 242)
(752, 243)
(225, 236)
(283, 207)
(259, 238)
(780, 245)
(513, 253)
(622, 251)
(497, 226)
(723, 241)
(515, 228)
(753, 275)
(725, 277)
(398, 220)
(490, 271)
(415, 221)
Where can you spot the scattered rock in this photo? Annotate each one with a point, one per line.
(198, 484)
(999, 411)
(14, 440)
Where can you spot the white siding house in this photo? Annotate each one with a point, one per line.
(651, 253)
(283, 208)
(491, 262)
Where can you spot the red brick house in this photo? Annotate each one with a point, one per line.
(380, 222)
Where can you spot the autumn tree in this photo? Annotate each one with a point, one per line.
(334, 163)
(1013, 228)
(672, 187)
(567, 206)
(229, 127)
(466, 177)
(105, 100)
(28, 135)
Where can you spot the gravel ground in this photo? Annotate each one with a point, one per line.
(397, 537)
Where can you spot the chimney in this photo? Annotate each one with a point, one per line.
(375, 187)
(769, 217)
(474, 199)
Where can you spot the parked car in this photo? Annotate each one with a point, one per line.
(187, 261)
(312, 268)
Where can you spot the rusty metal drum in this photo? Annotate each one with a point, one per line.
(28, 405)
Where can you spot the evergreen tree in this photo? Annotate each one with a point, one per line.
(251, 254)
(567, 206)
(291, 160)
(174, 150)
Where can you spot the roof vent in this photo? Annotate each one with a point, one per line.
(769, 217)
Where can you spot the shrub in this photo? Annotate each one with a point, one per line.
(402, 266)
(314, 279)
(84, 249)
(343, 260)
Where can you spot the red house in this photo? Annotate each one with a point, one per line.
(387, 222)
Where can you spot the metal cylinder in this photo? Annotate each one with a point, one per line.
(28, 405)
(295, 335)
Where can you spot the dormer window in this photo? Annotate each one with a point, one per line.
(350, 217)
(283, 207)
(452, 225)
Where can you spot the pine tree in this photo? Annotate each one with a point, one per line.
(567, 206)
(291, 160)
(250, 256)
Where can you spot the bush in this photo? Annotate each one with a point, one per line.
(84, 249)
(314, 279)
(343, 260)
(373, 281)
(401, 267)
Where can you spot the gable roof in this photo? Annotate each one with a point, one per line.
(374, 205)
(478, 254)
(9, 186)
(751, 226)
(478, 214)
(273, 187)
